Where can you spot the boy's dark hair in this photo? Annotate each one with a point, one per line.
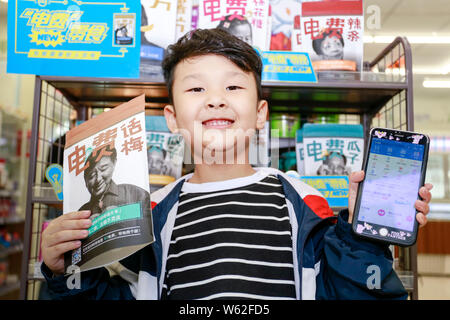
(212, 41)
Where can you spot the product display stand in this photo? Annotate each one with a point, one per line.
(381, 96)
(13, 134)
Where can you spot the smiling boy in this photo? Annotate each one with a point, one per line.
(230, 231)
(216, 112)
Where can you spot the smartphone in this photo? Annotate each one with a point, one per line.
(395, 165)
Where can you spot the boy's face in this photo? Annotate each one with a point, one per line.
(216, 104)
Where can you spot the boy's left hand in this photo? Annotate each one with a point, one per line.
(421, 205)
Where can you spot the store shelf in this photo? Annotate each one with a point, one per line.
(349, 96)
(407, 279)
(45, 194)
(330, 96)
(282, 143)
(103, 93)
(35, 271)
(13, 128)
(47, 200)
(11, 220)
(8, 288)
(9, 193)
(380, 97)
(10, 251)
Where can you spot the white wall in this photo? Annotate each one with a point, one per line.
(434, 276)
(431, 109)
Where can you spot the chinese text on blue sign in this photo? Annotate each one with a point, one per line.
(287, 67)
(95, 38)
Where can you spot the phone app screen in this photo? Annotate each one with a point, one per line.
(392, 183)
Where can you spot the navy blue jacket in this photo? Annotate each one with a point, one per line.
(330, 262)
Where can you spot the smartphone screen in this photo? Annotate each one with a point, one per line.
(394, 174)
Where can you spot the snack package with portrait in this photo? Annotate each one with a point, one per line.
(165, 152)
(284, 13)
(332, 34)
(162, 23)
(247, 20)
(105, 172)
(299, 152)
(332, 149)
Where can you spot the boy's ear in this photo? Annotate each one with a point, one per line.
(261, 115)
(169, 114)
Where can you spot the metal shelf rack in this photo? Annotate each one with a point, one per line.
(380, 96)
(13, 132)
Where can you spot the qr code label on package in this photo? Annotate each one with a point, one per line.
(76, 256)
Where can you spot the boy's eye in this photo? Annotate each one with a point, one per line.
(233, 87)
(197, 89)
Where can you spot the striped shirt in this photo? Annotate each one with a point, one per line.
(231, 243)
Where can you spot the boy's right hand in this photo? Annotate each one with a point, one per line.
(61, 235)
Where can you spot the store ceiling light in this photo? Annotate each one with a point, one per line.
(412, 39)
(436, 83)
(5, 1)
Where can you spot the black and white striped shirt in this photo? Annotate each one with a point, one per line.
(231, 243)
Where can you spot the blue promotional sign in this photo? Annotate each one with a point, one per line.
(333, 188)
(95, 38)
(284, 66)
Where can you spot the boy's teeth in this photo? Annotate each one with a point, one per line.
(218, 122)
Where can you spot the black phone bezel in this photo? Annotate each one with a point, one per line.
(378, 238)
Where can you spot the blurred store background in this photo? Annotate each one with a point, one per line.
(426, 24)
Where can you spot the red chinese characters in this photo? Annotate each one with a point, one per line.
(101, 141)
(236, 8)
(76, 160)
(312, 28)
(132, 142)
(212, 9)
